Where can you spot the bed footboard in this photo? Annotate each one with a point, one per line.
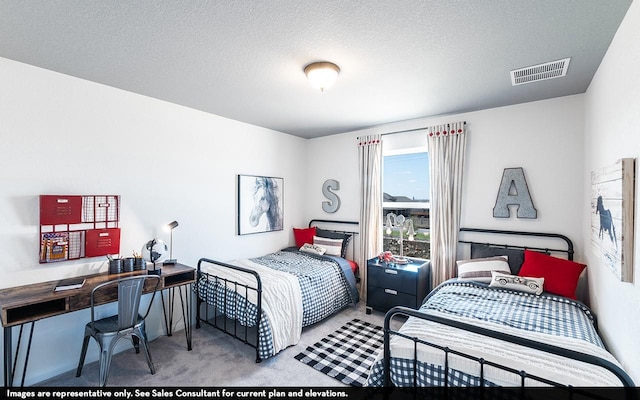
(223, 303)
(482, 363)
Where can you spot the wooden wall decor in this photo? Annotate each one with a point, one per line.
(328, 188)
(514, 191)
(612, 216)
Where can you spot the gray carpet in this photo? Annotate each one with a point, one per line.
(217, 360)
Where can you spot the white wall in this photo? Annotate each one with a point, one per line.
(545, 138)
(62, 135)
(612, 121)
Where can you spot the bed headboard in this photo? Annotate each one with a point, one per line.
(549, 243)
(350, 228)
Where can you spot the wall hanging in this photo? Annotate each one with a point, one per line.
(514, 191)
(260, 204)
(612, 216)
(328, 188)
(73, 227)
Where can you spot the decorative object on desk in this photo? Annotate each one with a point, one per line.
(260, 204)
(170, 227)
(400, 223)
(139, 262)
(328, 188)
(115, 265)
(154, 251)
(69, 283)
(128, 264)
(514, 191)
(612, 217)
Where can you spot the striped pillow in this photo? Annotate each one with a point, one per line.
(479, 269)
(333, 246)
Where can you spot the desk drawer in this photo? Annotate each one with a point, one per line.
(392, 278)
(384, 298)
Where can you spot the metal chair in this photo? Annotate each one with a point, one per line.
(128, 322)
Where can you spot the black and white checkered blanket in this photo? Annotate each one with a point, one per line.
(346, 354)
(528, 314)
(323, 285)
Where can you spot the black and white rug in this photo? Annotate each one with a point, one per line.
(346, 354)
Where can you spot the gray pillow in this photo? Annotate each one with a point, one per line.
(336, 235)
(515, 256)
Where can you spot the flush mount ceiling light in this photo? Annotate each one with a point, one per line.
(322, 75)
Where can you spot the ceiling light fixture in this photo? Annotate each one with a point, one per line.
(322, 75)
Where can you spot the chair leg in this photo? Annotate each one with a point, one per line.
(106, 352)
(136, 343)
(83, 353)
(142, 336)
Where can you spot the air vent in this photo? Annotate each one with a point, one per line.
(540, 72)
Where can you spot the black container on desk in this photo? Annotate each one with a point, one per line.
(128, 264)
(115, 266)
(140, 264)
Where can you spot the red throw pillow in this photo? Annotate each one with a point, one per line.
(560, 275)
(304, 235)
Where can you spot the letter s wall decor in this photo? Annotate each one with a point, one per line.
(328, 187)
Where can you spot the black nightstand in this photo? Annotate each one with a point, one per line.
(390, 285)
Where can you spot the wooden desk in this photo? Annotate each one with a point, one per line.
(30, 303)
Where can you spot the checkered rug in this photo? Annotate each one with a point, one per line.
(346, 354)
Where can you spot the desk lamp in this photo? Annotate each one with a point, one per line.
(170, 227)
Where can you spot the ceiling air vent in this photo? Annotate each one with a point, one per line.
(540, 72)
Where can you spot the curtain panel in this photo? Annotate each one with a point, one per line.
(447, 145)
(370, 164)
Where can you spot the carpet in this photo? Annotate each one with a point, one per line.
(346, 354)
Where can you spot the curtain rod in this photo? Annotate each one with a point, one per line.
(411, 130)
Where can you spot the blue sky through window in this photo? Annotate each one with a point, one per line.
(407, 175)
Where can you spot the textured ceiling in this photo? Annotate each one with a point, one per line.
(243, 59)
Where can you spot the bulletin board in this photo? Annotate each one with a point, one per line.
(73, 227)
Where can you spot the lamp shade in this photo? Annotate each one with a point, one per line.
(322, 75)
(171, 225)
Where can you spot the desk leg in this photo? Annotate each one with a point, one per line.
(8, 358)
(9, 361)
(168, 320)
(185, 302)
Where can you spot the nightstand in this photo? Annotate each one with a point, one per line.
(390, 285)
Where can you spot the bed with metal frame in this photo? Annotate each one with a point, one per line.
(233, 301)
(406, 371)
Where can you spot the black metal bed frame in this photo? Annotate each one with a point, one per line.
(213, 317)
(408, 312)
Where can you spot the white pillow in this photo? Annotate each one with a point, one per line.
(479, 269)
(333, 246)
(515, 282)
(313, 248)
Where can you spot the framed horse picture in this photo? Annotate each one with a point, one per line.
(260, 204)
(612, 218)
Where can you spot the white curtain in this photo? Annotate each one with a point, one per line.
(370, 164)
(446, 159)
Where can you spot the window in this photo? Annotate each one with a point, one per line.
(406, 192)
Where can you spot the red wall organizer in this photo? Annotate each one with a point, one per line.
(73, 227)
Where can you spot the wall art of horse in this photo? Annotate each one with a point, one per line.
(260, 204)
(606, 222)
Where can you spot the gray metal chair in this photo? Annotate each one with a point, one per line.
(128, 322)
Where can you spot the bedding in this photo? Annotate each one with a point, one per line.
(545, 318)
(299, 289)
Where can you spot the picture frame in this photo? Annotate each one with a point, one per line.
(612, 217)
(260, 204)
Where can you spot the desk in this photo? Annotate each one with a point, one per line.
(29, 303)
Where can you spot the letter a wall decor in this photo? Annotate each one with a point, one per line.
(514, 192)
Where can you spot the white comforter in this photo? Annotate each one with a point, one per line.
(535, 362)
(281, 298)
